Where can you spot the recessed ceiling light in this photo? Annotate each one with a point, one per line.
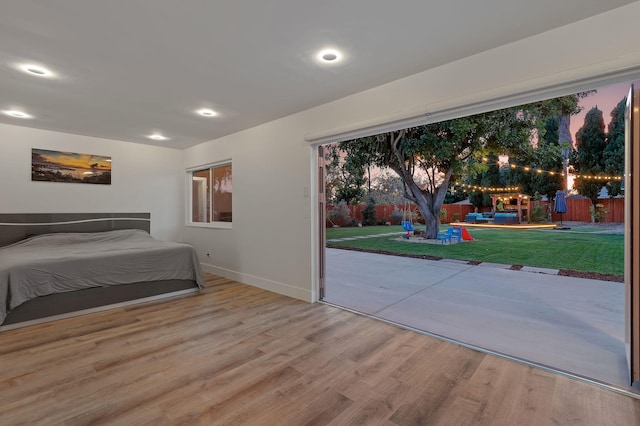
(36, 70)
(207, 112)
(17, 114)
(329, 56)
(157, 137)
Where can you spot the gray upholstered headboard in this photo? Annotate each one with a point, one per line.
(18, 226)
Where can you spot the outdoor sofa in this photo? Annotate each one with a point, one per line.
(505, 219)
(477, 218)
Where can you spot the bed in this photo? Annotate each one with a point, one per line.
(59, 265)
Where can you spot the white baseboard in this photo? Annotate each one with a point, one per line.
(263, 283)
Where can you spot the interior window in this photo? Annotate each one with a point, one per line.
(211, 194)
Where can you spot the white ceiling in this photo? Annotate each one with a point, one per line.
(128, 68)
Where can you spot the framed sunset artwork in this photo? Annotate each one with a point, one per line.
(71, 167)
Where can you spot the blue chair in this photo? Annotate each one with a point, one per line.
(450, 234)
(445, 235)
(456, 234)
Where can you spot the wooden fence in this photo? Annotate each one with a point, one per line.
(577, 211)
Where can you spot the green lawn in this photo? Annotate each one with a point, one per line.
(579, 251)
(365, 230)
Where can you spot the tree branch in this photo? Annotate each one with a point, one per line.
(407, 195)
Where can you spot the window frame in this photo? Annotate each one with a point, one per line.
(189, 184)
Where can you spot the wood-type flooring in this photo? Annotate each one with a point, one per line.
(238, 355)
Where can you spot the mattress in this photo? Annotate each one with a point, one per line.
(56, 263)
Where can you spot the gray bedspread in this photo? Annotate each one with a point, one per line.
(54, 263)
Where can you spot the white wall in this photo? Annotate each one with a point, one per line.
(271, 244)
(268, 243)
(144, 179)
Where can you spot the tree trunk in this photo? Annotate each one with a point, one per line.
(433, 227)
(564, 129)
(429, 204)
(431, 217)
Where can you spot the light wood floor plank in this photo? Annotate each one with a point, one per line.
(238, 355)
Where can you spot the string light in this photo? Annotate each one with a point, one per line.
(488, 188)
(553, 173)
(595, 177)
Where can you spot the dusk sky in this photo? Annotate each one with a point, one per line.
(606, 99)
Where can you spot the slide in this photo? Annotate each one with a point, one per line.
(465, 234)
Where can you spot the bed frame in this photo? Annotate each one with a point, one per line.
(16, 227)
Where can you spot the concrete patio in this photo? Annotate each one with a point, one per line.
(570, 324)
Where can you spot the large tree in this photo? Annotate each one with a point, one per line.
(546, 158)
(589, 159)
(333, 171)
(567, 106)
(614, 152)
(563, 108)
(346, 178)
(554, 136)
(427, 157)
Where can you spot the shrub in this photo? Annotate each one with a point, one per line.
(538, 215)
(369, 213)
(443, 215)
(341, 214)
(598, 213)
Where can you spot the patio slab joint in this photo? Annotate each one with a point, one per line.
(547, 271)
(494, 265)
